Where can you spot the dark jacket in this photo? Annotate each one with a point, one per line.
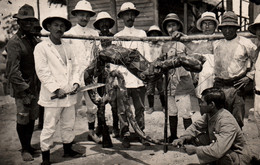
(20, 68)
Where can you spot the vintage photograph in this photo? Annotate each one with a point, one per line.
(140, 82)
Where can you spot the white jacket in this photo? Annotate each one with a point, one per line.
(54, 73)
(84, 50)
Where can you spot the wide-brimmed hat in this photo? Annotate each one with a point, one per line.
(252, 27)
(126, 7)
(103, 16)
(48, 20)
(154, 28)
(25, 12)
(83, 5)
(229, 18)
(207, 16)
(172, 17)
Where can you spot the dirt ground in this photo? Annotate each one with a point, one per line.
(95, 154)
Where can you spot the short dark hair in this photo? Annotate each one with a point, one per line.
(215, 95)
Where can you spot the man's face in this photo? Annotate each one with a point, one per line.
(83, 18)
(204, 107)
(57, 28)
(257, 31)
(104, 25)
(26, 24)
(172, 26)
(229, 32)
(128, 18)
(208, 27)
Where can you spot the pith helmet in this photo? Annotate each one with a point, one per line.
(154, 28)
(103, 16)
(172, 17)
(252, 27)
(83, 5)
(207, 16)
(126, 7)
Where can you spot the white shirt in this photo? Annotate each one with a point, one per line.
(257, 73)
(131, 80)
(84, 49)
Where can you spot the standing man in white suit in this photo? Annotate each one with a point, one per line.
(135, 87)
(57, 69)
(85, 52)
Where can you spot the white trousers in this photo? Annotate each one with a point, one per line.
(91, 110)
(257, 112)
(66, 116)
(180, 103)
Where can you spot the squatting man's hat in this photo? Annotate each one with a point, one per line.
(252, 27)
(172, 17)
(229, 19)
(48, 20)
(207, 16)
(25, 12)
(128, 6)
(103, 16)
(83, 5)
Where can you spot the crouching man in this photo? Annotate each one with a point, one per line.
(57, 69)
(216, 137)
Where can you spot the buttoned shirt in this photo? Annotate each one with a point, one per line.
(84, 49)
(131, 80)
(224, 134)
(234, 58)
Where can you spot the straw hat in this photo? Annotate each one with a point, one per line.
(103, 16)
(83, 5)
(154, 28)
(229, 19)
(126, 7)
(25, 12)
(172, 17)
(252, 27)
(48, 20)
(207, 16)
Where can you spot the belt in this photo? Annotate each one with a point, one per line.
(257, 92)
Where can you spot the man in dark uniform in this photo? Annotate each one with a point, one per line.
(22, 78)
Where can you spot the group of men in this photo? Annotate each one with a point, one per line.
(55, 67)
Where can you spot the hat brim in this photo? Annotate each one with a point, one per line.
(206, 19)
(96, 23)
(92, 13)
(50, 19)
(24, 17)
(122, 11)
(228, 24)
(252, 28)
(149, 32)
(171, 19)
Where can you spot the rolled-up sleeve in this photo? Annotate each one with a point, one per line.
(42, 69)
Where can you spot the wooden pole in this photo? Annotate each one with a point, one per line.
(165, 146)
(165, 38)
(114, 15)
(185, 14)
(38, 9)
(240, 15)
(229, 5)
